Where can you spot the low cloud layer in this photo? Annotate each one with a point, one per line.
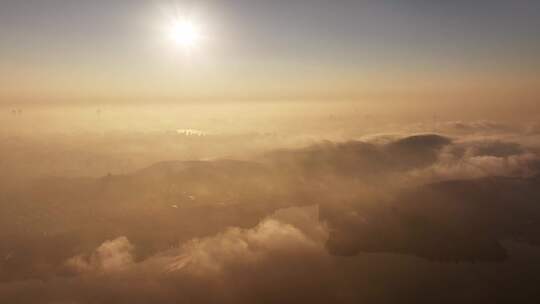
(372, 220)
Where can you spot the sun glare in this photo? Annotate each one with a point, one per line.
(185, 33)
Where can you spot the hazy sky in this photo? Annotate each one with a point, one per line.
(118, 50)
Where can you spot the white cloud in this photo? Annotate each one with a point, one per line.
(111, 256)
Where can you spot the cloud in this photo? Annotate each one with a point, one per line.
(333, 222)
(291, 230)
(359, 159)
(280, 258)
(480, 166)
(498, 149)
(480, 157)
(213, 255)
(479, 126)
(111, 256)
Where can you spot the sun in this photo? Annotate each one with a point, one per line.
(185, 33)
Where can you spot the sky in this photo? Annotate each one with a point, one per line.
(74, 51)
